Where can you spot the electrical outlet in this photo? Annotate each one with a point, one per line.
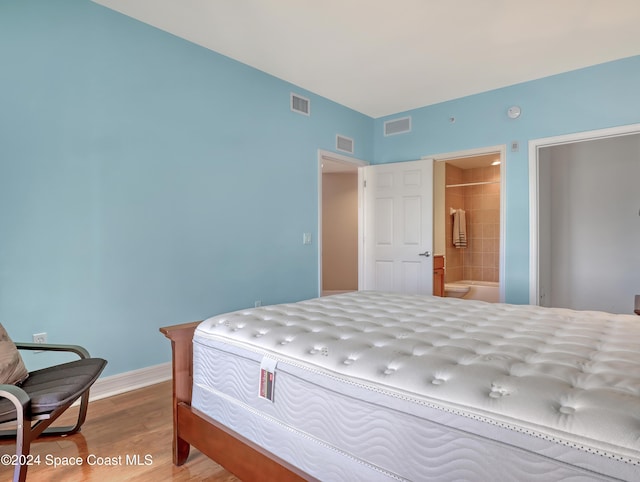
(257, 303)
(39, 338)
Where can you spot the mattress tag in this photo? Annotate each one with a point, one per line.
(267, 378)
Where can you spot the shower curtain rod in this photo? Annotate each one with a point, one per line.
(472, 184)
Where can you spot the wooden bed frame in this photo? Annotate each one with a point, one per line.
(245, 459)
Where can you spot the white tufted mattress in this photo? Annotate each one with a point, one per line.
(379, 386)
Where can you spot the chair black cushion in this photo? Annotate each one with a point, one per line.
(56, 386)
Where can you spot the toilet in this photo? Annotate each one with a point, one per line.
(456, 290)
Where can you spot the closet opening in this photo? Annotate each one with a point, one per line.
(586, 221)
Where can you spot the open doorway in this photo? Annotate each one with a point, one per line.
(470, 188)
(338, 223)
(587, 220)
(471, 183)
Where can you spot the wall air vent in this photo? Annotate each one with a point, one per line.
(344, 144)
(397, 126)
(300, 104)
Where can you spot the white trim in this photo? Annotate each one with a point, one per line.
(361, 228)
(357, 163)
(334, 156)
(481, 151)
(534, 148)
(131, 380)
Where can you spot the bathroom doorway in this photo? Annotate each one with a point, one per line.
(469, 189)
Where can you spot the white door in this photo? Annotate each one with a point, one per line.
(398, 227)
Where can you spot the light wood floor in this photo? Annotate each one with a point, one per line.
(119, 429)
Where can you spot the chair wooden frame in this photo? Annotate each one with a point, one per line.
(28, 426)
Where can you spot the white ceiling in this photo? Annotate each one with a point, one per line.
(384, 57)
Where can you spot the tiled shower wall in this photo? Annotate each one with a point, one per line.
(479, 261)
(453, 198)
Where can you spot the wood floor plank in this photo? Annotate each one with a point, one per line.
(125, 438)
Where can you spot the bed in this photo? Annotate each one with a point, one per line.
(381, 386)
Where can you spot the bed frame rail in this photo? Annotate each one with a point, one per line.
(245, 459)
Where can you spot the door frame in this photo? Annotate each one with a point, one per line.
(501, 149)
(355, 163)
(534, 148)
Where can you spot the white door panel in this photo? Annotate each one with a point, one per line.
(398, 227)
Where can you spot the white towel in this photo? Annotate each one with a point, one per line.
(459, 229)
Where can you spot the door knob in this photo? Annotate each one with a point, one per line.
(426, 254)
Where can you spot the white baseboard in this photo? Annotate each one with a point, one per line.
(131, 380)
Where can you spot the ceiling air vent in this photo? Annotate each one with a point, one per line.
(344, 144)
(300, 104)
(397, 126)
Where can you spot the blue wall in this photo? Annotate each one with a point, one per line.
(146, 181)
(597, 97)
